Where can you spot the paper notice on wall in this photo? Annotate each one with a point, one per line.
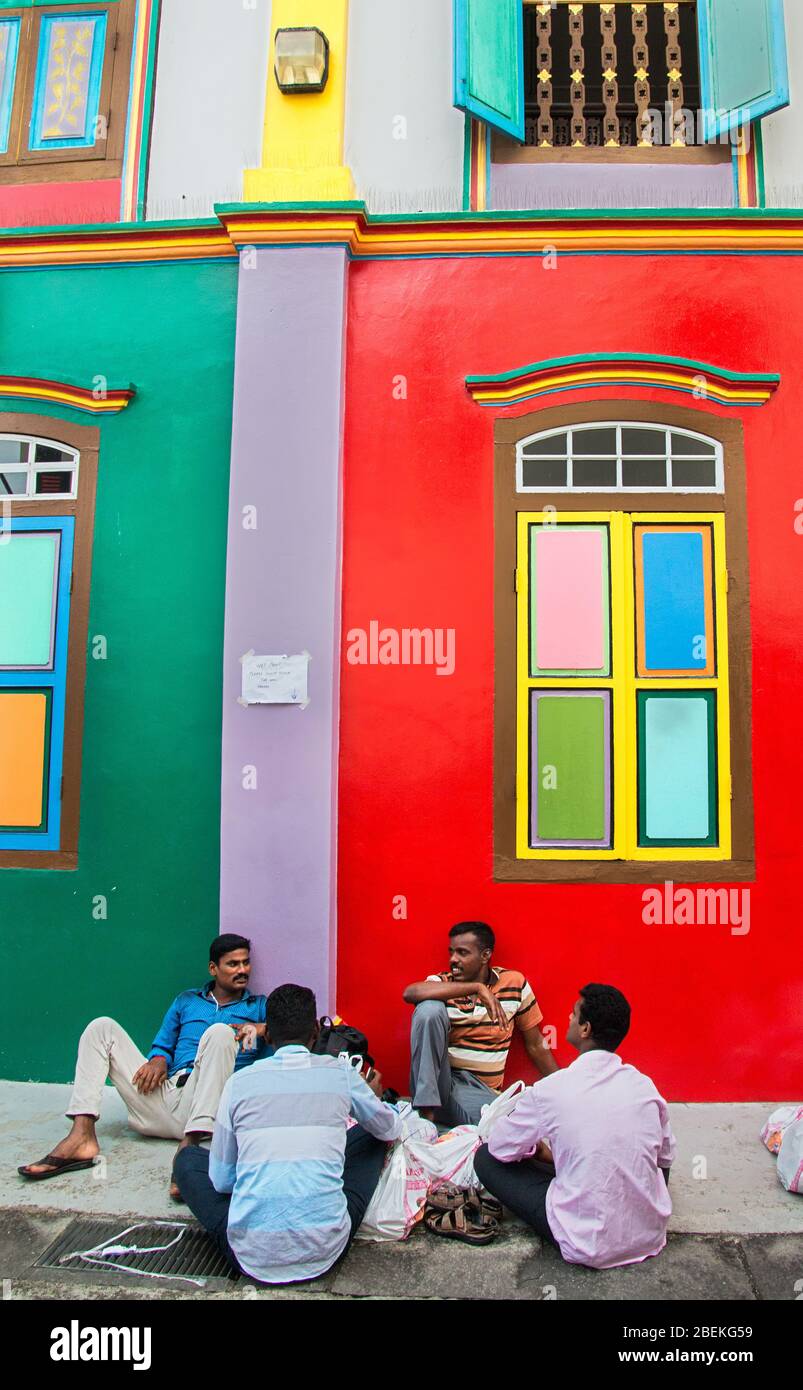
(275, 680)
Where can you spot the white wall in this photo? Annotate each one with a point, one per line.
(210, 104)
(400, 85)
(783, 133)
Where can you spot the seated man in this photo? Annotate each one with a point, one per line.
(462, 1028)
(285, 1186)
(605, 1202)
(174, 1094)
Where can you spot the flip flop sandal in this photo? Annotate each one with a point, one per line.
(60, 1165)
(455, 1225)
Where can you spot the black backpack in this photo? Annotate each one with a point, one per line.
(335, 1038)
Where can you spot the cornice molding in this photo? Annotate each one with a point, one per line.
(118, 243)
(84, 398)
(368, 237)
(664, 231)
(622, 369)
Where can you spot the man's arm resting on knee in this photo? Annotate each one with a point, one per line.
(248, 1035)
(443, 990)
(150, 1076)
(164, 1044)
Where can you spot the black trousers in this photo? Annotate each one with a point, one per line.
(365, 1156)
(520, 1186)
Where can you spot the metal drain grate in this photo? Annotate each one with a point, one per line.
(194, 1256)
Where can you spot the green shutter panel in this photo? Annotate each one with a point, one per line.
(743, 66)
(489, 62)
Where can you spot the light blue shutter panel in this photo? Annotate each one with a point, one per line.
(489, 62)
(743, 66)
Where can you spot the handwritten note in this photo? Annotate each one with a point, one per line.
(275, 680)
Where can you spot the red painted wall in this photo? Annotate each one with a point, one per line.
(82, 201)
(715, 1016)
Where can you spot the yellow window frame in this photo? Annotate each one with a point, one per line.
(623, 685)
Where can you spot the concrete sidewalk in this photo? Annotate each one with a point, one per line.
(735, 1233)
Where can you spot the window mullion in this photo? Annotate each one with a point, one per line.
(723, 735)
(624, 714)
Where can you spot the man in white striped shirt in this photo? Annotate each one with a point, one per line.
(462, 1028)
(285, 1187)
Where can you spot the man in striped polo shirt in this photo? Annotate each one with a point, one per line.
(286, 1186)
(462, 1029)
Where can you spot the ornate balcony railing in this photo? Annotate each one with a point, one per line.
(611, 75)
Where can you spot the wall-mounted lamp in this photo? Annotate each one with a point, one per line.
(301, 60)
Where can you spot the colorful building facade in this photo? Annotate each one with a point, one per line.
(469, 372)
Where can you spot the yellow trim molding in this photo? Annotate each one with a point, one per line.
(304, 133)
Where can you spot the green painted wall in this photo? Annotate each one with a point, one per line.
(150, 797)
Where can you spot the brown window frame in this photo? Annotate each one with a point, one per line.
(507, 868)
(86, 439)
(104, 159)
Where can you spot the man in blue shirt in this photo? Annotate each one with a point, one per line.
(174, 1092)
(286, 1185)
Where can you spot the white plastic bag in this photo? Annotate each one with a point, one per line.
(399, 1199)
(772, 1131)
(496, 1110)
(451, 1158)
(790, 1157)
(401, 1193)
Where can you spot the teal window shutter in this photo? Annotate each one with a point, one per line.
(489, 62)
(743, 65)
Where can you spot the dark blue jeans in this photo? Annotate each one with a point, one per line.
(365, 1156)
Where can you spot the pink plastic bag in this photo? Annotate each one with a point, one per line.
(772, 1131)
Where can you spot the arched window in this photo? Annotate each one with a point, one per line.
(626, 533)
(47, 487)
(32, 467)
(626, 456)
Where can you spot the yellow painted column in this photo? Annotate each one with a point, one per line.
(302, 147)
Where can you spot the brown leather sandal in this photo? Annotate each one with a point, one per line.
(448, 1198)
(457, 1225)
(489, 1208)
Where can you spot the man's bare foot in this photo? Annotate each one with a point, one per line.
(175, 1190)
(80, 1144)
(187, 1142)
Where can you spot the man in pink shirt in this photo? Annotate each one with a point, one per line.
(606, 1128)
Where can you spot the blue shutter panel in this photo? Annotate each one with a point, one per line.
(489, 62)
(743, 66)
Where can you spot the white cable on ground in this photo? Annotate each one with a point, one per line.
(96, 1254)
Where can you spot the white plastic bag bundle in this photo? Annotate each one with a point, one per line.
(401, 1193)
(420, 1162)
(451, 1158)
(399, 1200)
(772, 1132)
(790, 1157)
(497, 1109)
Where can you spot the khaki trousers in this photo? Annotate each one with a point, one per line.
(106, 1050)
